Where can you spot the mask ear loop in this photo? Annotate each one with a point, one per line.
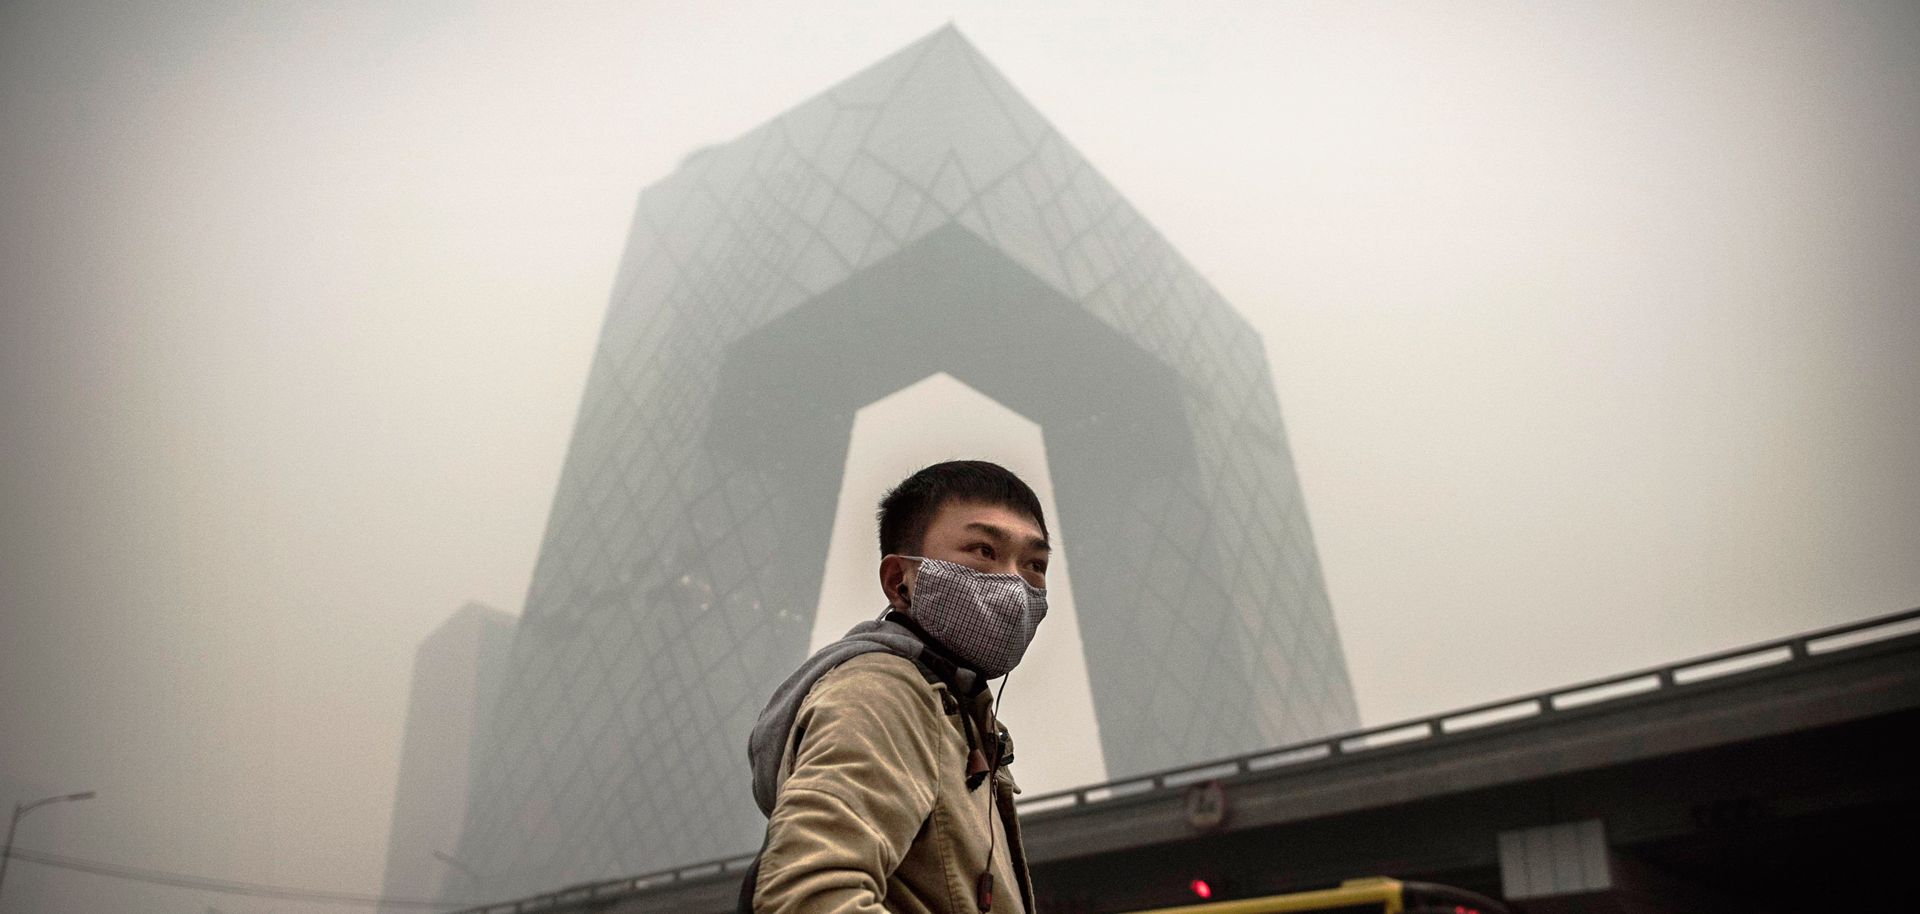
(900, 589)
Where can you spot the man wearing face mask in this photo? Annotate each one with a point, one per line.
(880, 763)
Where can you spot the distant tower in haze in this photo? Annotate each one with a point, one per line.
(918, 218)
(457, 672)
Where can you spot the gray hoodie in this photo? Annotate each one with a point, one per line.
(769, 739)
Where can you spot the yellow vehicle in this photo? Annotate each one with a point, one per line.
(1373, 895)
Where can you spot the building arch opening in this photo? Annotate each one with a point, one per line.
(1050, 704)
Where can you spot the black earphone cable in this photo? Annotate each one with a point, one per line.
(993, 794)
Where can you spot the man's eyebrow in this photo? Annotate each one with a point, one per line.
(1001, 534)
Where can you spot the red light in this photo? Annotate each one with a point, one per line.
(1201, 888)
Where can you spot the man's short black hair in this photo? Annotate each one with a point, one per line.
(909, 508)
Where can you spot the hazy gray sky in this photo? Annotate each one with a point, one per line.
(1594, 325)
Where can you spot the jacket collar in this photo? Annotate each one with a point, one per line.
(964, 680)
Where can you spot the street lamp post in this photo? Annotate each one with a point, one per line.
(20, 810)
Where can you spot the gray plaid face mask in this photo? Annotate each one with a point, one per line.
(987, 620)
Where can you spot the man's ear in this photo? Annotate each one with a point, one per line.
(896, 580)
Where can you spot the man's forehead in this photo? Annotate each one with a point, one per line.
(986, 517)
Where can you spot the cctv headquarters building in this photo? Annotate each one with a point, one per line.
(920, 217)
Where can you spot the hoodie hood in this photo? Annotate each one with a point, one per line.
(769, 740)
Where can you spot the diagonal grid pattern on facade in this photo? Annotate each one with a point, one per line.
(771, 287)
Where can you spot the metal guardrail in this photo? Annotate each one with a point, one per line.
(1510, 710)
(1539, 705)
(613, 888)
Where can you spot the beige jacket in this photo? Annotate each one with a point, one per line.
(873, 812)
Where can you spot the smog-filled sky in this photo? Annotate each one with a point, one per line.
(1595, 328)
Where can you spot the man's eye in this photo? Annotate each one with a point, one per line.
(985, 550)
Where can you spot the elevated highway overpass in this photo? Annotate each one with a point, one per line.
(1780, 776)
